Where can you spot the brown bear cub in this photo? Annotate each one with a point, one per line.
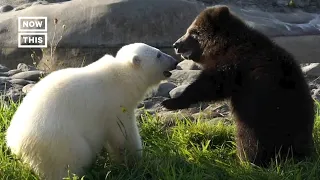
(270, 98)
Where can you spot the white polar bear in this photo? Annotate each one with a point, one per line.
(69, 115)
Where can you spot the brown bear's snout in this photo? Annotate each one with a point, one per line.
(177, 45)
(181, 45)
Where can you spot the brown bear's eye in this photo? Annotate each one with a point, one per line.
(158, 55)
(194, 34)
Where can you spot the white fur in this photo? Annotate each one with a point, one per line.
(72, 113)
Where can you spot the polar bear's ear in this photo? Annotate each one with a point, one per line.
(136, 61)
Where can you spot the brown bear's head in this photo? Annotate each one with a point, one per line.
(209, 36)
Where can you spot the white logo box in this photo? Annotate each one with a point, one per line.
(34, 18)
(34, 32)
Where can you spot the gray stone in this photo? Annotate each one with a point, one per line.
(3, 68)
(301, 3)
(21, 82)
(180, 77)
(12, 56)
(55, 1)
(101, 24)
(309, 67)
(108, 27)
(177, 91)
(23, 6)
(40, 3)
(5, 8)
(25, 67)
(22, 2)
(4, 74)
(188, 65)
(312, 69)
(164, 89)
(103, 27)
(5, 79)
(13, 72)
(304, 48)
(29, 75)
(281, 2)
(27, 88)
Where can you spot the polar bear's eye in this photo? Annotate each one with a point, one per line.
(158, 55)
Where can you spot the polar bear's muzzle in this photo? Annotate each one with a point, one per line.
(172, 64)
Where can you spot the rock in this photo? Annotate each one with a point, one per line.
(83, 41)
(164, 89)
(27, 88)
(309, 67)
(82, 38)
(312, 69)
(13, 72)
(177, 91)
(5, 79)
(56, 1)
(301, 3)
(23, 6)
(5, 8)
(40, 3)
(3, 68)
(21, 82)
(4, 74)
(29, 75)
(281, 2)
(25, 67)
(188, 65)
(180, 77)
(304, 48)
(11, 56)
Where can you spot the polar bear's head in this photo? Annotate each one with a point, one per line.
(148, 60)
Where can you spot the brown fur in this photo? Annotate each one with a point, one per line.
(269, 95)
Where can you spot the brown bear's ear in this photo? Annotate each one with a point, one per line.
(136, 61)
(217, 14)
(222, 12)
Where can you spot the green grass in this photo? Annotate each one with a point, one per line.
(184, 151)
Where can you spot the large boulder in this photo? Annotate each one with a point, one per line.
(95, 27)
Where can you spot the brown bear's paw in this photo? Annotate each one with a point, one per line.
(174, 104)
